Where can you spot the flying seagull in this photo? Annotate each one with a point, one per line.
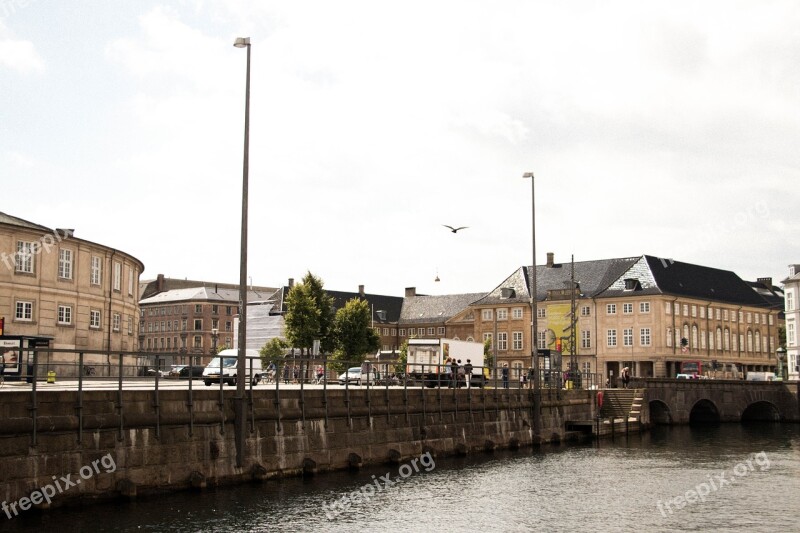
(454, 229)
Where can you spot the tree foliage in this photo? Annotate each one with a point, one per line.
(488, 356)
(400, 367)
(273, 352)
(309, 315)
(354, 336)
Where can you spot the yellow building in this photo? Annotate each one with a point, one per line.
(76, 294)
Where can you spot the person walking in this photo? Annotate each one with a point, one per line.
(320, 374)
(626, 377)
(504, 374)
(454, 373)
(468, 372)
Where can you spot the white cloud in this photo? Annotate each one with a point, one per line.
(17, 54)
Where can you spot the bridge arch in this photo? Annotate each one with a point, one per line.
(761, 411)
(704, 412)
(660, 413)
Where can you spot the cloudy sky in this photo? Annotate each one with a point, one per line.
(662, 128)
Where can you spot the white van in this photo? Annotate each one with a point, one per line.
(229, 367)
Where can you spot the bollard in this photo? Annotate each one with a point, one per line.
(51, 376)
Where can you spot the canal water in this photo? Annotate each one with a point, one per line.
(726, 478)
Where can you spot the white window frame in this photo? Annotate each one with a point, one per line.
(611, 309)
(586, 310)
(441, 330)
(117, 318)
(541, 312)
(96, 271)
(23, 311)
(627, 337)
(24, 258)
(502, 341)
(64, 315)
(130, 281)
(627, 308)
(645, 337)
(486, 314)
(611, 338)
(644, 307)
(516, 313)
(117, 276)
(516, 340)
(502, 314)
(65, 263)
(586, 338)
(95, 321)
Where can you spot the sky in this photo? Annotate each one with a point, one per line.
(663, 128)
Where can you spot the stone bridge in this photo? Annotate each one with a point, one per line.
(684, 401)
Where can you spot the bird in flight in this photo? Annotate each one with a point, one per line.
(454, 230)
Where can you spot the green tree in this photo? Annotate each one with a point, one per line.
(302, 319)
(273, 352)
(324, 303)
(400, 367)
(488, 356)
(353, 334)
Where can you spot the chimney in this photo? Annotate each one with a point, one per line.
(361, 290)
(160, 283)
(411, 291)
(291, 283)
(767, 282)
(550, 256)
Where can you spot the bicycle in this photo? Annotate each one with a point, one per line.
(89, 371)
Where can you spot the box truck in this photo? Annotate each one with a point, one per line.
(426, 362)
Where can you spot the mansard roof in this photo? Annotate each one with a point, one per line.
(592, 278)
(427, 309)
(655, 275)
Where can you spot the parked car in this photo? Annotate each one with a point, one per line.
(353, 374)
(182, 371)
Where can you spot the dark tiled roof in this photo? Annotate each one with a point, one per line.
(16, 221)
(426, 309)
(379, 304)
(657, 275)
(593, 277)
(148, 288)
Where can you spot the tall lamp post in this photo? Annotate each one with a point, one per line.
(537, 391)
(241, 361)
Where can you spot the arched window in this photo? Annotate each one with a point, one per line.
(727, 340)
(758, 341)
(719, 338)
(669, 337)
(749, 341)
(695, 344)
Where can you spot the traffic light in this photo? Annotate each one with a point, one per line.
(558, 345)
(2, 324)
(684, 342)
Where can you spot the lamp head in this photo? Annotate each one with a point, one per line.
(528, 175)
(242, 42)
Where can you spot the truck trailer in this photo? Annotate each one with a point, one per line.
(426, 362)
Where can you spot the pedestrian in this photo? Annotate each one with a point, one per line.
(468, 372)
(530, 377)
(626, 377)
(454, 372)
(295, 374)
(271, 372)
(286, 373)
(504, 373)
(320, 374)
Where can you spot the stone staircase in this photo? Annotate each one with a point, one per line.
(622, 405)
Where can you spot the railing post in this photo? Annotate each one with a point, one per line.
(121, 433)
(80, 397)
(157, 406)
(34, 400)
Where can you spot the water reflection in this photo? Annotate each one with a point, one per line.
(606, 486)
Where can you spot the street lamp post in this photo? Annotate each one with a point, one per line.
(241, 362)
(781, 356)
(537, 423)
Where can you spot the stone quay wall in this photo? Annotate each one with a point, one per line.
(169, 440)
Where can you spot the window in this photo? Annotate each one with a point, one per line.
(65, 264)
(198, 324)
(644, 336)
(96, 272)
(488, 337)
(402, 332)
(24, 311)
(694, 337)
(228, 310)
(644, 307)
(669, 337)
(214, 309)
(94, 319)
(228, 325)
(441, 331)
(611, 338)
(23, 260)
(611, 309)
(117, 277)
(749, 341)
(502, 314)
(702, 312)
(790, 300)
(130, 281)
(668, 308)
(685, 309)
(516, 313)
(431, 331)
(516, 340)
(386, 332)
(64, 314)
(541, 312)
(541, 340)
(586, 310)
(717, 313)
(198, 308)
(502, 341)
(586, 367)
(486, 314)
(198, 341)
(694, 310)
(215, 324)
(627, 337)
(130, 325)
(724, 314)
(116, 321)
(412, 332)
(749, 317)
(627, 308)
(586, 338)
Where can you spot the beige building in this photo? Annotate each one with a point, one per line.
(72, 293)
(654, 315)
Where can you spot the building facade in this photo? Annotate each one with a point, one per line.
(73, 293)
(792, 309)
(650, 314)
